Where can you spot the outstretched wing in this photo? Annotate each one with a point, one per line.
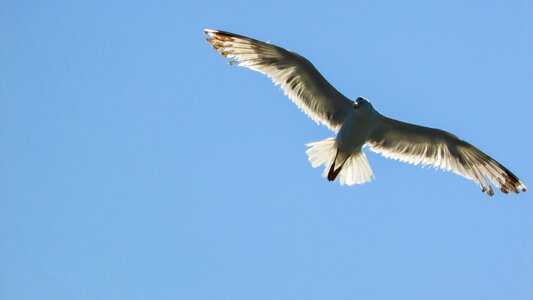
(298, 78)
(428, 146)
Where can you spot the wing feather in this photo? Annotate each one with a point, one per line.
(429, 146)
(298, 78)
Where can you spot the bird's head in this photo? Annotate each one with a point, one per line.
(360, 102)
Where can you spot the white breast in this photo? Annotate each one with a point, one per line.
(355, 129)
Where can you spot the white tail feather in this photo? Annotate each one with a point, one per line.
(356, 169)
(321, 152)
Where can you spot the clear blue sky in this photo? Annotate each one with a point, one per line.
(136, 164)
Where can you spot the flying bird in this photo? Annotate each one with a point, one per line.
(358, 124)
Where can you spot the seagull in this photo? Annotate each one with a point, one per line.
(358, 124)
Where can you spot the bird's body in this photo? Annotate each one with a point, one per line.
(358, 124)
(353, 134)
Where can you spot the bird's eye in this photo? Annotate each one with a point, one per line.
(356, 105)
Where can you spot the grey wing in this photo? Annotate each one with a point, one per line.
(428, 146)
(298, 78)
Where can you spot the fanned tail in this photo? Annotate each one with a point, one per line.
(349, 168)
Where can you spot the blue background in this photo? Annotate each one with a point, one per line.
(136, 164)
